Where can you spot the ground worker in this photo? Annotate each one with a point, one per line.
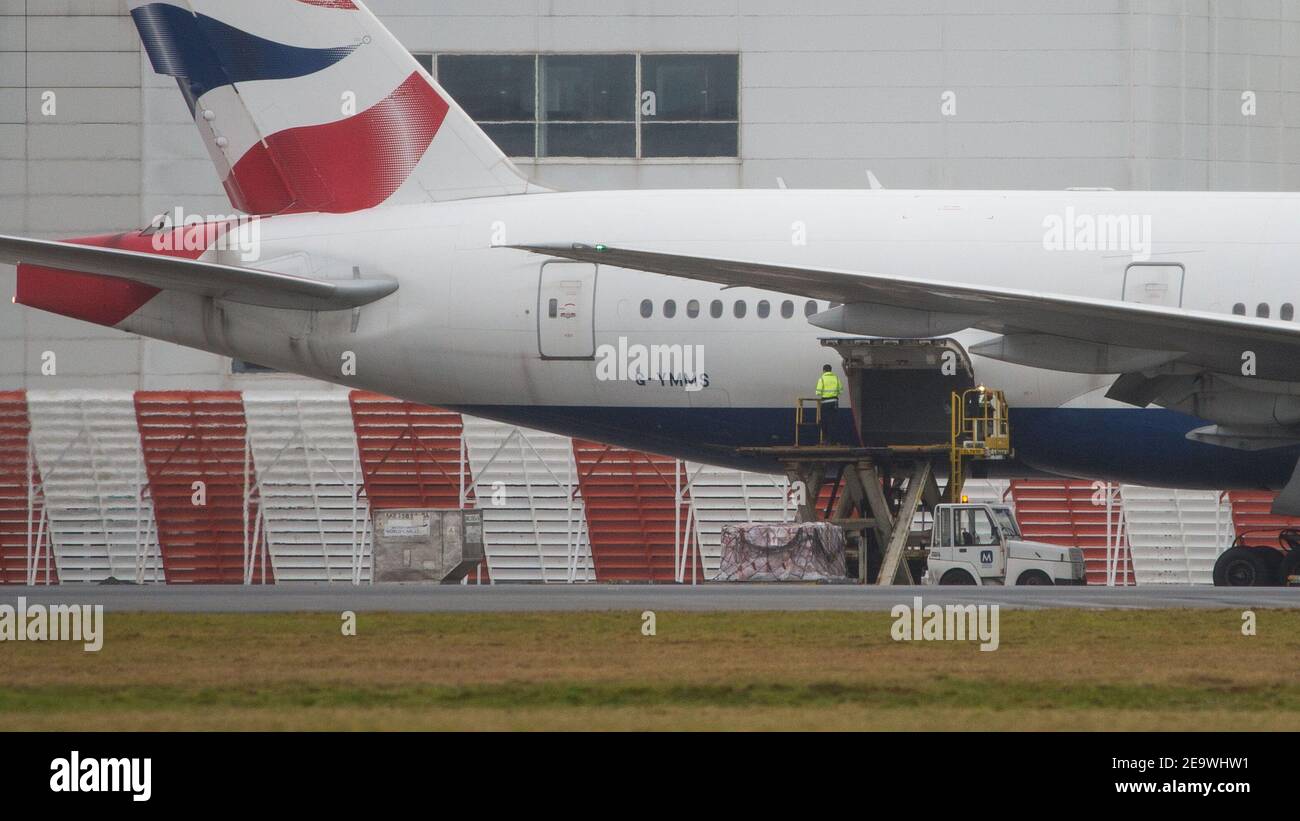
(829, 388)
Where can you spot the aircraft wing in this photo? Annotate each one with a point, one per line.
(1191, 361)
(246, 286)
(1086, 335)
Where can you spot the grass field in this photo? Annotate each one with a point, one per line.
(1056, 669)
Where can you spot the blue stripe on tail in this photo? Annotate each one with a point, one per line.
(208, 53)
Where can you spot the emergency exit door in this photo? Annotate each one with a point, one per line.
(1154, 283)
(566, 322)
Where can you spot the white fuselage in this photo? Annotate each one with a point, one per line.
(468, 327)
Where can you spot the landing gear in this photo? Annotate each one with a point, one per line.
(1245, 567)
(1268, 559)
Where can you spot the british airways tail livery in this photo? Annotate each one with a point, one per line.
(315, 107)
(1141, 337)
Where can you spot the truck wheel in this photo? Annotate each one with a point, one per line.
(1243, 567)
(1034, 577)
(957, 576)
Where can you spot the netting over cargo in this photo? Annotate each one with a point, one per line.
(782, 552)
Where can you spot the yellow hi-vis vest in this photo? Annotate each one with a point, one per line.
(828, 387)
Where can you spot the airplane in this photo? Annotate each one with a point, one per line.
(1143, 337)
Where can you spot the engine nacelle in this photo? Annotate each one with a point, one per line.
(1237, 407)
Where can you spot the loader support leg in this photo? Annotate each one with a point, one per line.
(894, 570)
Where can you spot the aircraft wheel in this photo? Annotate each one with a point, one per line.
(1244, 567)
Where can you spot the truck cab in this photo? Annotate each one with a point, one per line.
(982, 544)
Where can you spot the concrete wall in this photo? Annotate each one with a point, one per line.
(1049, 94)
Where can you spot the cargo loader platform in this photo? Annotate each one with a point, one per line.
(921, 394)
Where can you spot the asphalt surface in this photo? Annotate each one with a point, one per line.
(299, 598)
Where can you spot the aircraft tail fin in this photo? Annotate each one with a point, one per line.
(313, 105)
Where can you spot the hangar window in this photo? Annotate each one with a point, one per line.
(715, 309)
(690, 105)
(647, 308)
(764, 309)
(628, 106)
(787, 309)
(500, 92)
(588, 105)
(670, 309)
(1239, 309)
(1288, 312)
(740, 309)
(1261, 310)
(693, 308)
(809, 308)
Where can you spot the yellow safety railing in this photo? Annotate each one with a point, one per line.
(801, 419)
(981, 429)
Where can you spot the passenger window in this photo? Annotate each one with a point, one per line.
(1288, 312)
(1261, 310)
(740, 309)
(809, 308)
(715, 309)
(693, 308)
(647, 308)
(764, 309)
(787, 309)
(553, 310)
(670, 309)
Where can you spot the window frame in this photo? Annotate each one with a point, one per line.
(638, 157)
(640, 94)
(974, 520)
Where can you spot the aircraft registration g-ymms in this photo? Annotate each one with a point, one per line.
(399, 251)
